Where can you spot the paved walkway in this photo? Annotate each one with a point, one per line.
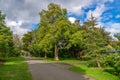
(52, 71)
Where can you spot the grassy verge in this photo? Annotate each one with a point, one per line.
(64, 60)
(15, 69)
(83, 69)
(92, 72)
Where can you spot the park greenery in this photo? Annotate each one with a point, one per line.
(6, 43)
(56, 37)
(15, 68)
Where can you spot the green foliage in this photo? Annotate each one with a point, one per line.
(55, 32)
(54, 29)
(15, 68)
(57, 36)
(77, 39)
(2, 17)
(94, 73)
(27, 39)
(117, 36)
(6, 42)
(113, 60)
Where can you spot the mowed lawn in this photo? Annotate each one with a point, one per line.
(94, 73)
(15, 69)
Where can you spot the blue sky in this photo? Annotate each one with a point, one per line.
(108, 14)
(22, 15)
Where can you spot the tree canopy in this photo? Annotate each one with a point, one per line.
(56, 33)
(6, 42)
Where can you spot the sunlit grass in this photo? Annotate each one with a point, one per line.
(92, 72)
(84, 69)
(62, 60)
(15, 69)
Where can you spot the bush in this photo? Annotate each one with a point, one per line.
(92, 63)
(15, 53)
(113, 60)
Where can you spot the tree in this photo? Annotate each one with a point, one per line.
(17, 41)
(95, 40)
(55, 33)
(27, 40)
(117, 36)
(53, 29)
(17, 44)
(113, 60)
(2, 17)
(6, 42)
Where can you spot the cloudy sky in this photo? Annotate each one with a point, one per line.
(22, 15)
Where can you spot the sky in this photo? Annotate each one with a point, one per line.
(23, 15)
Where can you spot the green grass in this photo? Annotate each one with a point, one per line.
(83, 69)
(63, 60)
(94, 73)
(15, 69)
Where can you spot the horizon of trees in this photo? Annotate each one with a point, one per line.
(56, 33)
(57, 37)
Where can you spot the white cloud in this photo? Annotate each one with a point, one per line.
(27, 11)
(16, 27)
(99, 25)
(77, 5)
(113, 27)
(118, 16)
(97, 12)
(72, 19)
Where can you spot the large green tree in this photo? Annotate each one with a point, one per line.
(6, 42)
(55, 32)
(54, 29)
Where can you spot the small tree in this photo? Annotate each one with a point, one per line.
(95, 40)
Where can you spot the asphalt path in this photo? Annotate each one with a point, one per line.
(41, 70)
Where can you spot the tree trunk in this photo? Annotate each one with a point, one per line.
(45, 55)
(56, 53)
(98, 63)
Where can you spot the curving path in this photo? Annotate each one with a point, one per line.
(52, 71)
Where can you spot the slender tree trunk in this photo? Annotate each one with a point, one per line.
(56, 53)
(45, 55)
(98, 63)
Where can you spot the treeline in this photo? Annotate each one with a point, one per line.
(57, 37)
(56, 34)
(7, 47)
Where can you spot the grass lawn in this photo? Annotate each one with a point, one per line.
(63, 60)
(15, 69)
(94, 73)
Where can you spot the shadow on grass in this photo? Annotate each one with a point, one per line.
(78, 70)
(114, 72)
